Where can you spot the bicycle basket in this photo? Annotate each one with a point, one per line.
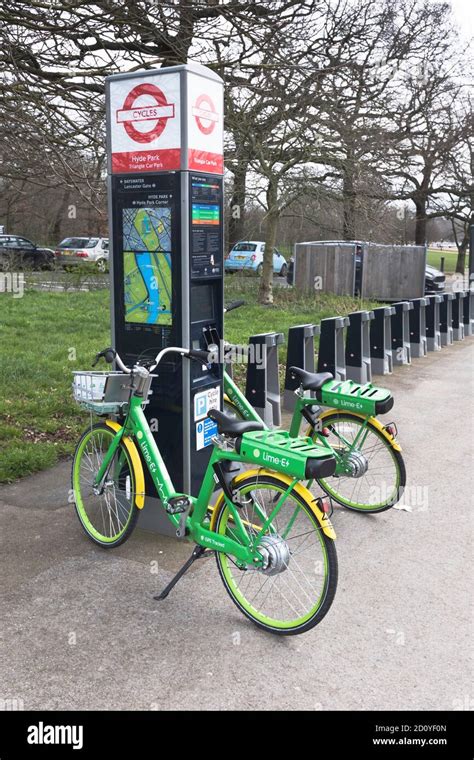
(102, 392)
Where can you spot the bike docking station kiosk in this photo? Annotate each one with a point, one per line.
(165, 195)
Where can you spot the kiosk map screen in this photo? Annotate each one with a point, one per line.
(147, 265)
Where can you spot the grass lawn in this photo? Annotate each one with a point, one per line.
(45, 336)
(434, 257)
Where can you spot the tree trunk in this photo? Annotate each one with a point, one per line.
(237, 205)
(420, 221)
(461, 259)
(349, 201)
(265, 293)
(462, 249)
(61, 215)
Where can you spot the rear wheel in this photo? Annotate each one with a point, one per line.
(101, 265)
(108, 516)
(295, 588)
(284, 270)
(260, 270)
(370, 477)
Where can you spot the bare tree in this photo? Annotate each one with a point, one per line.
(456, 203)
(55, 55)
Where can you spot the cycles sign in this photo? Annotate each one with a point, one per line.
(144, 116)
(205, 124)
(165, 120)
(205, 114)
(144, 123)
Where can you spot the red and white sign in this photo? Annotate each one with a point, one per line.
(145, 123)
(205, 124)
(205, 114)
(133, 116)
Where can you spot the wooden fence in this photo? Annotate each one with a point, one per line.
(389, 272)
(393, 272)
(325, 267)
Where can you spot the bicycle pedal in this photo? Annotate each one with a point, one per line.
(177, 505)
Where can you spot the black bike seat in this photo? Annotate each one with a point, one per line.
(232, 426)
(310, 381)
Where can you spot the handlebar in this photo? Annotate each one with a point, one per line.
(110, 355)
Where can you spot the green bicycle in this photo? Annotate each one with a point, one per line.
(370, 473)
(273, 540)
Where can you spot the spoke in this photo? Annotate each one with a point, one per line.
(108, 512)
(293, 592)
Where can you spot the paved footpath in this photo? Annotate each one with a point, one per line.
(80, 628)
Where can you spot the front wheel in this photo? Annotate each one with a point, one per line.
(370, 476)
(109, 514)
(294, 589)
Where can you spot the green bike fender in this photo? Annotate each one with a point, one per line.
(300, 489)
(136, 464)
(373, 421)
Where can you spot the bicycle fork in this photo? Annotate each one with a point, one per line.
(104, 469)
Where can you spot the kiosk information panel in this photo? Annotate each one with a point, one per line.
(206, 226)
(166, 215)
(146, 244)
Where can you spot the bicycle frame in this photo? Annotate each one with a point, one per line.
(136, 426)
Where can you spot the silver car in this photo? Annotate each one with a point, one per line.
(80, 250)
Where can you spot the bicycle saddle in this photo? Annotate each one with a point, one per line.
(232, 426)
(310, 381)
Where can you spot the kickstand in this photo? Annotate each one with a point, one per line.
(198, 552)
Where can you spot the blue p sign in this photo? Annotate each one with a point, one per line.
(201, 405)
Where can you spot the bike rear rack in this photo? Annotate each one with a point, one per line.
(355, 397)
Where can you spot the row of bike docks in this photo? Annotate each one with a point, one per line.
(355, 347)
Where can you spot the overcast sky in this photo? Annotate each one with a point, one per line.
(464, 15)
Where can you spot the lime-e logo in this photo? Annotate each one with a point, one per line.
(276, 460)
(147, 456)
(342, 402)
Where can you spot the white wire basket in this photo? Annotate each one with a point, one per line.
(102, 392)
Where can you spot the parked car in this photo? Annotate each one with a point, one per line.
(248, 255)
(435, 281)
(18, 252)
(80, 250)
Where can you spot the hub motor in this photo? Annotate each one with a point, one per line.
(356, 464)
(275, 553)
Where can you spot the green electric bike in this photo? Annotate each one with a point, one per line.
(370, 473)
(272, 538)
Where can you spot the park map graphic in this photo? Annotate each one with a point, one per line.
(147, 265)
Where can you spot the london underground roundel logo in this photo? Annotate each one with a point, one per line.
(205, 114)
(146, 106)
